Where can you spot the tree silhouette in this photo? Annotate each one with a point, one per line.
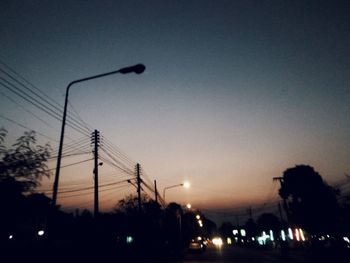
(25, 163)
(21, 168)
(311, 203)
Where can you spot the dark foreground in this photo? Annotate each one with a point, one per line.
(101, 253)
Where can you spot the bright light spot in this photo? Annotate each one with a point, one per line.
(217, 241)
(290, 233)
(297, 234)
(283, 235)
(346, 239)
(199, 238)
(328, 236)
(189, 206)
(261, 241)
(186, 184)
(271, 235)
(302, 234)
(229, 241)
(198, 217)
(200, 222)
(253, 238)
(10, 236)
(243, 233)
(129, 239)
(41, 232)
(235, 231)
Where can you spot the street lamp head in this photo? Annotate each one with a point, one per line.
(138, 69)
(186, 184)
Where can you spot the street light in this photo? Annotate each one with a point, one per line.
(184, 184)
(138, 69)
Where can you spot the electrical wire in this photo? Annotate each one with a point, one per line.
(27, 128)
(52, 103)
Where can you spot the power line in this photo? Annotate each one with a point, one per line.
(38, 105)
(72, 164)
(51, 102)
(116, 160)
(27, 128)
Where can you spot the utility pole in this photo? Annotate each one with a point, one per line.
(96, 142)
(280, 212)
(250, 212)
(138, 185)
(285, 205)
(156, 191)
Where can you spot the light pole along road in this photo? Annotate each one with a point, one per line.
(185, 184)
(138, 69)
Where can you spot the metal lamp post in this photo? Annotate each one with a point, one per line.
(138, 69)
(185, 184)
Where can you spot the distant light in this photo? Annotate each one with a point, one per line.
(283, 235)
(297, 234)
(198, 217)
(189, 206)
(301, 234)
(41, 232)
(186, 184)
(200, 222)
(229, 241)
(271, 235)
(243, 233)
(129, 239)
(199, 238)
(235, 231)
(253, 238)
(328, 236)
(261, 241)
(217, 241)
(346, 239)
(10, 236)
(290, 233)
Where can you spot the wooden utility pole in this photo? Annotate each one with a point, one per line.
(155, 191)
(138, 186)
(96, 141)
(285, 205)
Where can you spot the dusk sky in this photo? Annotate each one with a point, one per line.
(234, 92)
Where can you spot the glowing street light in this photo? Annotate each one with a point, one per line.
(186, 184)
(188, 206)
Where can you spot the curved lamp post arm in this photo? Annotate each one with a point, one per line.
(138, 69)
(169, 187)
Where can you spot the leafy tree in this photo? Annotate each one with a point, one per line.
(23, 165)
(311, 203)
(21, 168)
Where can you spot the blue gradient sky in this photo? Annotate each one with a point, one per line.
(234, 92)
